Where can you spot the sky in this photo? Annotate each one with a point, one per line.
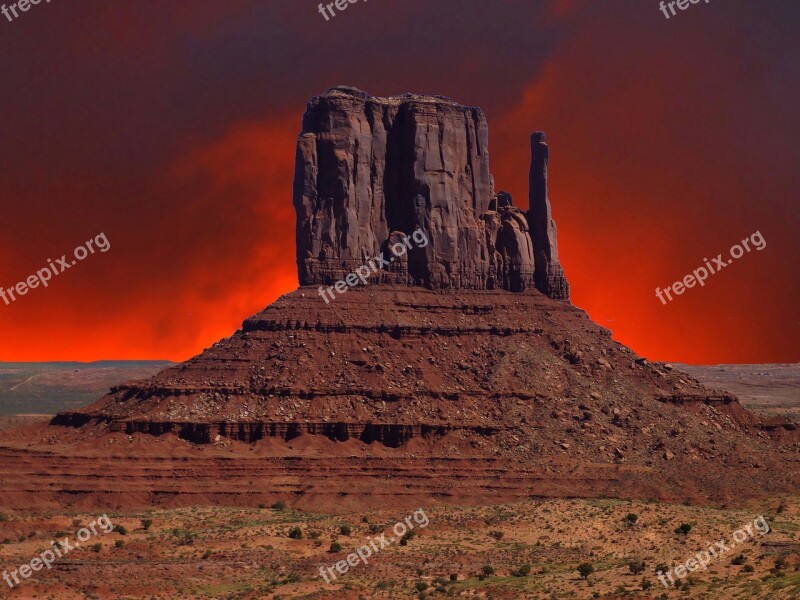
(170, 128)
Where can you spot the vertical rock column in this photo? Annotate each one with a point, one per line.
(548, 276)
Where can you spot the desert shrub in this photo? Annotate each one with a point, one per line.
(421, 586)
(487, 569)
(97, 547)
(748, 569)
(279, 505)
(4, 517)
(636, 566)
(119, 544)
(523, 571)
(739, 560)
(409, 535)
(453, 576)
(585, 569)
(498, 535)
(296, 533)
(335, 547)
(631, 518)
(683, 529)
(780, 564)
(646, 584)
(120, 530)
(147, 524)
(185, 537)
(345, 529)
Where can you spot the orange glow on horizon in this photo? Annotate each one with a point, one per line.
(670, 142)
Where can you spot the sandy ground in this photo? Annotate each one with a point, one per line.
(454, 552)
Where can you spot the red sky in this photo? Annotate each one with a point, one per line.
(170, 127)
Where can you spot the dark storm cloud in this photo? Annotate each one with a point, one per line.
(170, 127)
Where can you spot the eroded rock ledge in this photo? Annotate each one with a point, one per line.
(392, 435)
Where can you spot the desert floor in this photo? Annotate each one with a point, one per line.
(462, 552)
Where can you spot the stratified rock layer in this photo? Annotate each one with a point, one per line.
(372, 168)
(397, 395)
(389, 363)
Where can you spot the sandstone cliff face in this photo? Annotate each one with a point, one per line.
(370, 170)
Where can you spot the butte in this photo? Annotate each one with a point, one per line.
(461, 373)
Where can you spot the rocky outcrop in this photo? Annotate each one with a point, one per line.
(388, 364)
(370, 171)
(392, 435)
(509, 245)
(549, 275)
(391, 363)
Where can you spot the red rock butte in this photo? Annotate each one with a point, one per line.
(460, 373)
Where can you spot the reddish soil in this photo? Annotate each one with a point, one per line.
(246, 553)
